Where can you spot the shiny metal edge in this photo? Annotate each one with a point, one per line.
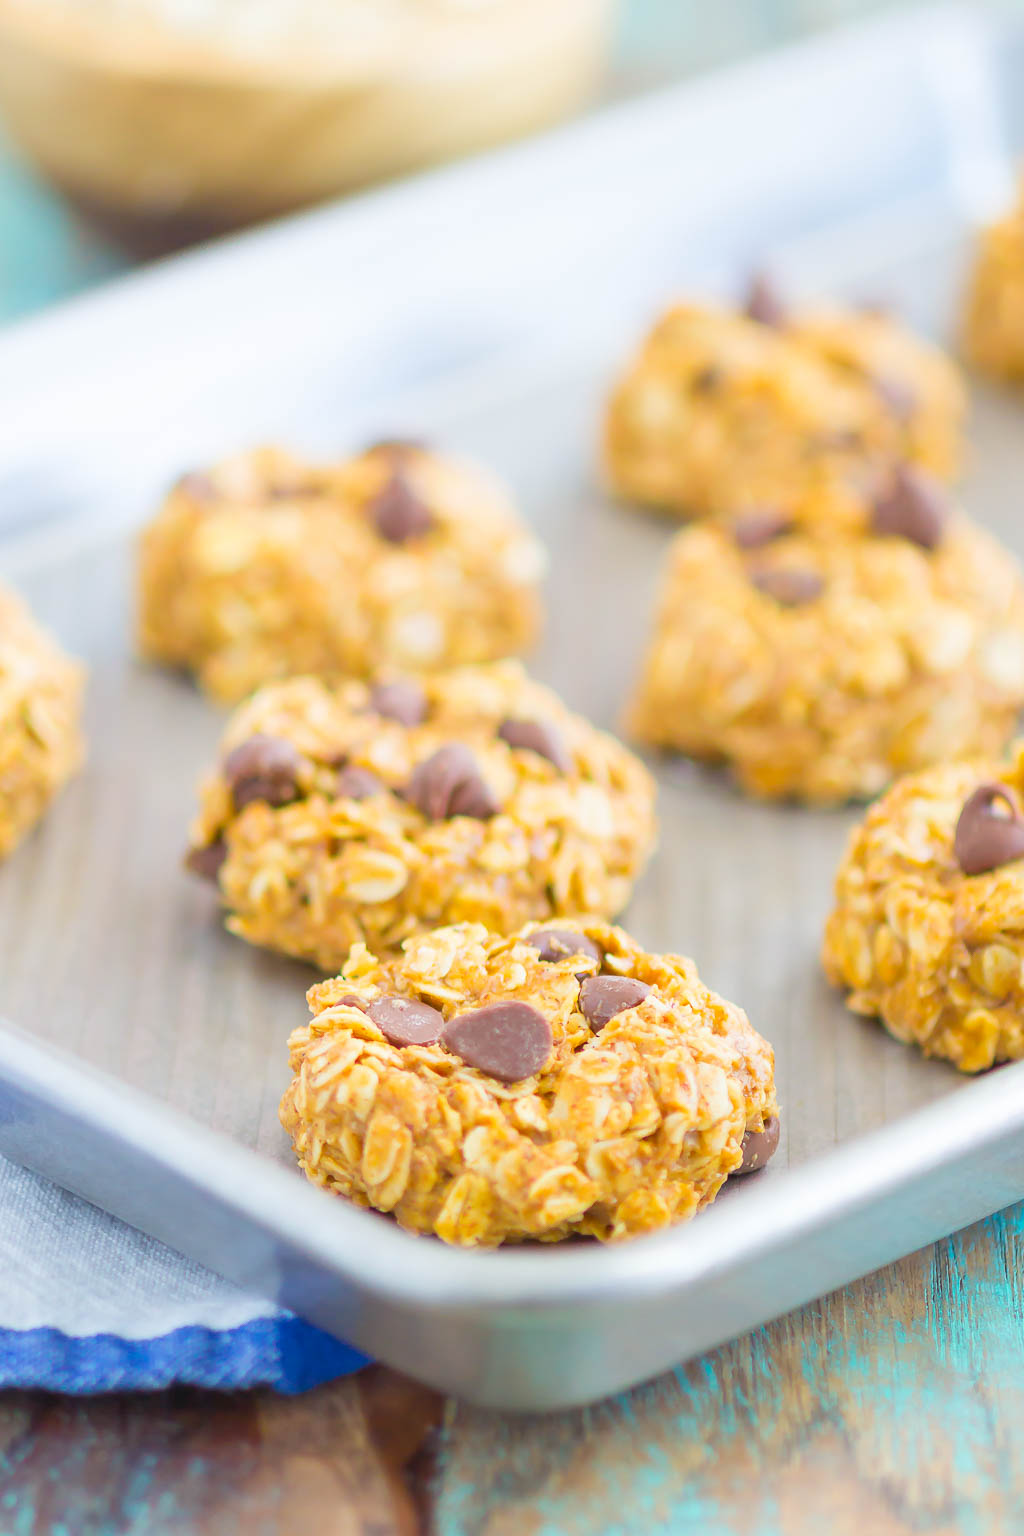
(522, 1329)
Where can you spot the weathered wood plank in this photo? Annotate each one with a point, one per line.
(189, 1463)
(895, 1406)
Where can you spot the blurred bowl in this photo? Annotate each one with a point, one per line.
(154, 125)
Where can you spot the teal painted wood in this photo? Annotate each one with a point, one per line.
(894, 1406)
(46, 253)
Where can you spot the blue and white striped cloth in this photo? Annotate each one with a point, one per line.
(90, 1305)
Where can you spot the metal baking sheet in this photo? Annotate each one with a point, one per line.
(486, 307)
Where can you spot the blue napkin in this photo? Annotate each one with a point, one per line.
(88, 1304)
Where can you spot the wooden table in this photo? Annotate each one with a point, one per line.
(895, 1406)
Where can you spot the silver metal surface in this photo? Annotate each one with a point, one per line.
(486, 307)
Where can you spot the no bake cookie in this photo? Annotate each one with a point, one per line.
(820, 667)
(555, 1083)
(994, 311)
(722, 410)
(927, 932)
(41, 743)
(267, 567)
(366, 812)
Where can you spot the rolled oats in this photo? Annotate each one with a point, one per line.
(935, 953)
(820, 667)
(266, 567)
(463, 826)
(994, 311)
(618, 1129)
(719, 411)
(41, 743)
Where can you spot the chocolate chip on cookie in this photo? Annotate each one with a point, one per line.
(263, 768)
(989, 832)
(758, 1147)
(402, 700)
(602, 997)
(764, 303)
(508, 1041)
(397, 512)
(760, 526)
(789, 587)
(206, 862)
(449, 783)
(554, 944)
(896, 395)
(355, 783)
(911, 505)
(537, 736)
(707, 379)
(405, 1020)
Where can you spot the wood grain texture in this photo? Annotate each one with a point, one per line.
(189, 1463)
(893, 1408)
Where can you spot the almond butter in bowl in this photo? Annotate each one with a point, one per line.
(215, 112)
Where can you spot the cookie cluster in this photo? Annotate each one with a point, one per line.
(354, 813)
(268, 566)
(835, 619)
(554, 1083)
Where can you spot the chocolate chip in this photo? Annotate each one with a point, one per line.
(707, 379)
(758, 1147)
(263, 768)
(764, 303)
(508, 1041)
(760, 526)
(206, 862)
(449, 783)
(897, 396)
(985, 837)
(602, 997)
(403, 700)
(537, 736)
(398, 513)
(911, 505)
(790, 587)
(355, 783)
(554, 944)
(405, 1021)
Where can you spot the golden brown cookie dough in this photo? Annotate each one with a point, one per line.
(558, 1082)
(266, 567)
(41, 743)
(994, 310)
(347, 813)
(819, 667)
(927, 933)
(720, 410)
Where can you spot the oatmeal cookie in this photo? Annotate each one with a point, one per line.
(556, 1083)
(993, 324)
(723, 410)
(266, 567)
(818, 668)
(351, 812)
(40, 720)
(927, 933)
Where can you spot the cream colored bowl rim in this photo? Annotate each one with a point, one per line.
(91, 42)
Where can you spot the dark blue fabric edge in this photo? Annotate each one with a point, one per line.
(280, 1352)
